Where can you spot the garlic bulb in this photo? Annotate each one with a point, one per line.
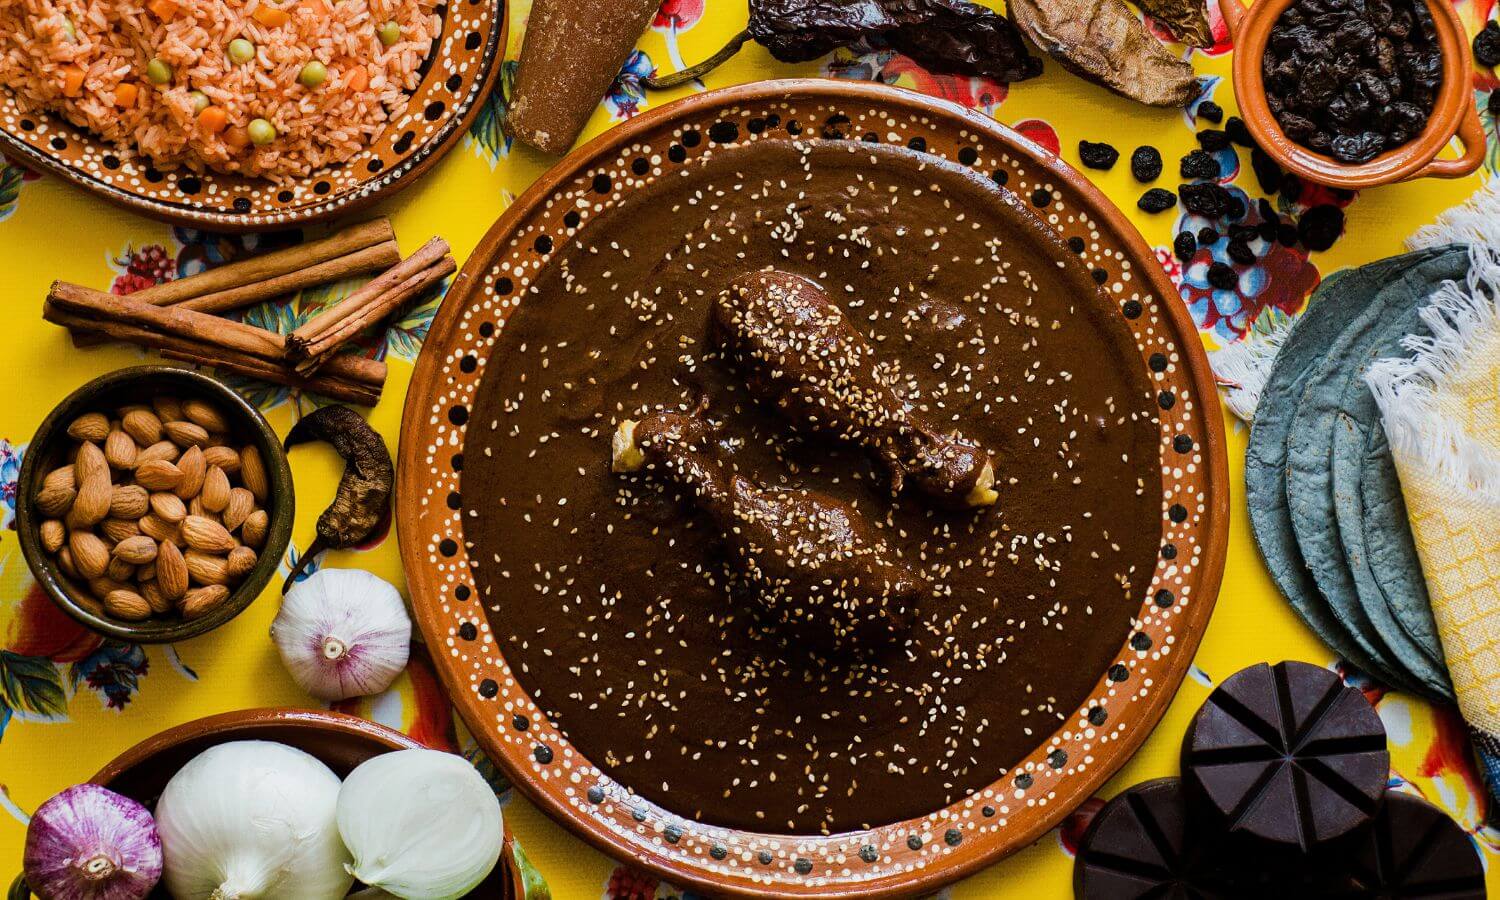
(252, 820)
(421, 824)
(89, 843)
(343, 633)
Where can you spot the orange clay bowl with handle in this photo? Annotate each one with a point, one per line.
(1453, 112)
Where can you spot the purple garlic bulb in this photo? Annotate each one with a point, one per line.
(90, 843)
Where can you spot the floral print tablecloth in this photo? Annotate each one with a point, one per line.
(69, 701)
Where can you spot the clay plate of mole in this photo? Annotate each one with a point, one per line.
(580, 617)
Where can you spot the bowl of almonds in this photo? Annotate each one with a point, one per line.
(154, 504)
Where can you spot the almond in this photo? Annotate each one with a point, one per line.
(137, 550)
(119, 570)
(89, 427)
(241, 560)
(171, 571)
(155, 598)
(101, 587)
(206, 535)
(158, 475)
(127, 605)
(204, 413)
(167, 408)
(193, 471)
(203, 568)
(168, 507)
(94, 488)
(90, 554)
(226, 458)
(241, 505)
(185, 434)
(200, 600)
(253, 473)
(160, 529)
(142, 425)
(128, 501)
(53, 535)
(146, 573)
(65, 563)
(163, 450)
(253, 531)
(215, 494)
(55, 501)
(120, 450)
(65, 477)
(119, 529)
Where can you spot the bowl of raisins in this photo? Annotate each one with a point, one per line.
(1356, 93)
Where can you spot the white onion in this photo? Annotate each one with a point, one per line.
(343, 633)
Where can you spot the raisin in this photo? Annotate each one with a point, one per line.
(1240, 252)
(1487, 45)
(1291, 188)
(1358, 148)
(1213, 140)
(1200, 164)
(1211, 111)
(1157, 200)
(1208, 199)
(1320, 226)
(1208, 237)
(1266, 230)
(1286, 234)
(1222, 276)
(1097, 156)
(1146, 164)
(1184, 245)
(1243, 233)
(1238, 132)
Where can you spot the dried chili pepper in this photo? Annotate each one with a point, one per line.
(1103, 41)
(364, 494)
(1187, 20)
(948, 36)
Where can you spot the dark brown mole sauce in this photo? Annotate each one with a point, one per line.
(606, 592)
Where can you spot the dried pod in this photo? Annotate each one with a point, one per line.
(240, 561)
(162, 450)
(198, 601)
(215, 494)
(159, 528)
(253, 530)
(65, 563)
(142, 425)
(137, 550)
(364, 493)
(90, 553)
(205, 414)
(53, 535)
(120, 450)
(158, 475)
(94, 487)
(226, 458)
(193, 470)
(55, 501)
(253, 469)
(241, 505)
(204, 568)
(168, 507)
(119, 570)
(185, 434)
(119, 529)
(158, 601)
(89, 427)
(126, 604)
(168, 409)
(129, 501)
(171, 571)
(206, 535)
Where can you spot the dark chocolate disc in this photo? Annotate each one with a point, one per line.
(1286, 754)
(1139, 845)
(1413, 850)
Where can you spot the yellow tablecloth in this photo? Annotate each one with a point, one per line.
(69, 702)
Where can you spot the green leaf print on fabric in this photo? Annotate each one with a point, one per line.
(32, 685)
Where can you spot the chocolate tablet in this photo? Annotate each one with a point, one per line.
(1287, 755)
(1140, 845)
(1413, 850)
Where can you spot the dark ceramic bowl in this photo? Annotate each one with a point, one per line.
(51, 443)
(341, 742)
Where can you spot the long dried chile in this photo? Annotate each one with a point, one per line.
(946, 36)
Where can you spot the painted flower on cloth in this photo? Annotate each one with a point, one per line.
(1041, 133)
(861, 62)
(10, 471)
(11, 178)
(678, 15)
(626, 96)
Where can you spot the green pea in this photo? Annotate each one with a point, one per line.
(158, 72)
(241, 51)
(200, 101)
(389, 33)
(313, 74)
(261, 132)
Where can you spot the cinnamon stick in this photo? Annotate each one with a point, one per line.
(338, 380)
(313, 354)
(329, 319)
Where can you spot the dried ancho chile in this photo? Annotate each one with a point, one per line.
(1145, 164)
(1097, 155)
(1487, 45)
(1157, 200)
(952, 37)
(1352, 78)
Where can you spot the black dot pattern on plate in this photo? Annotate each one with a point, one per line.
(503, 286)
(1000, 177)
(918, 144)
(1041, 198)
(1098, 715)
(59, 144)
(692, 138)
(968, 156)
(988, 812)
(468, 364)
(756, 125)
(1100, 276)
(322, 188)
(520, 722)
(914, 841)
(596, 794)
(1165, 598)
(723, 132)
(793, 127)
(640, 165)
(488, 688)
(1182, 443)
(672, 833)
(1177, 513)
(1157, 362)
(473, 40)
(453, 83)
(802, 866)
(374, 165)
(285, 196)
(28, 125)
(1166, 399)
(461, 593)
(1131, 308)
(869, 854)
(639, 814)
(458, 415)
(189, 184)
(542, 244)
(601, 183)
(1024, 780)
(1077, 244)
(676, 153)
(403, 143)
(718, 851)
(953, 837)
(765, 857)
(242, 204)
(457, 462)
(433, 110)
(467, 631)
(1141, 641)
(111, 161)
(448, 547)
(572, 219)
(1118, 672)
(542, 753)
(1057, 759)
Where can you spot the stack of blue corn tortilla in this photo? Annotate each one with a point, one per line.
(1325, 502)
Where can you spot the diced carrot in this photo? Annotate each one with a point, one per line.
(270, 16)
(165, 10)
(358, 79)
(72, 81)
(213, 119)
(125, 94)
(236, 136)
